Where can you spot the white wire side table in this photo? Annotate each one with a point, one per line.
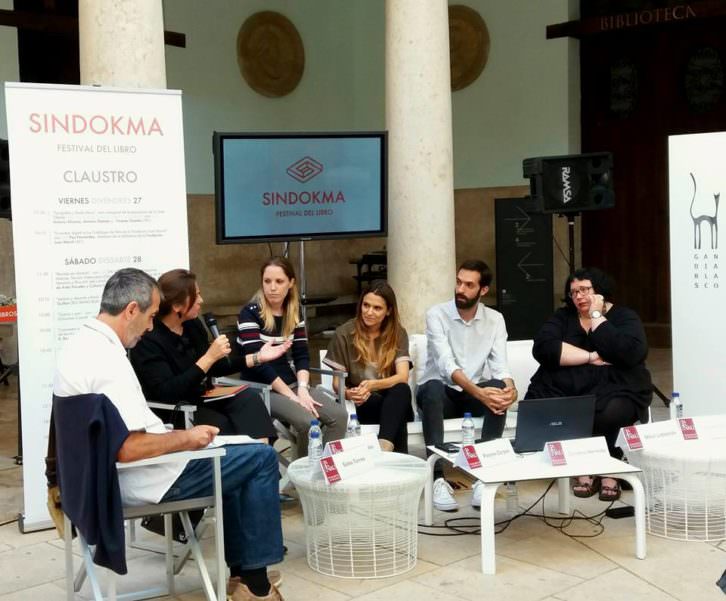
(685, 488)
(365, 527)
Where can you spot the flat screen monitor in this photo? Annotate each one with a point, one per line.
(301, 186)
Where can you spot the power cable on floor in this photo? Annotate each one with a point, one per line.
(560, 523)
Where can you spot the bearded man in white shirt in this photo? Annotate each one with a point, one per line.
(466, 368)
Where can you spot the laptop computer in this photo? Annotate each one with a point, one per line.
(559, 418)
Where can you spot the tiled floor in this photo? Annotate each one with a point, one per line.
(535, 562)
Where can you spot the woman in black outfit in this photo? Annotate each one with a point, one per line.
(592, 346)
(175, 360)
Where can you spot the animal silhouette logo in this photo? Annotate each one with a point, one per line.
(710, 220)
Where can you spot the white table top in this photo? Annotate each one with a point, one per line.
(536, 466)
(391, 469)
(683, 450)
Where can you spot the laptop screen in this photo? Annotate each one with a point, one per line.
(559, 418)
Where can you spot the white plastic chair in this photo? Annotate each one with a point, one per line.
(521, 363)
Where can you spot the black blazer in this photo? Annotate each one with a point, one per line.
(620, 341)
(165, 363)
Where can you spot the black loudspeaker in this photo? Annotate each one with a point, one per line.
(571, 183)
(4, 180)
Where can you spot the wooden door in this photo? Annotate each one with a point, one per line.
(639, 86)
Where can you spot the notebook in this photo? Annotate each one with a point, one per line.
(559, 418)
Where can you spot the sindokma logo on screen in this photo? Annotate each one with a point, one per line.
(303, 170)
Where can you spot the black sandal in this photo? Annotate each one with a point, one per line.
(584, 490)
(609, 493)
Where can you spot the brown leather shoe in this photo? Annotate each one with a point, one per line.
(236, 591)
(274, 576)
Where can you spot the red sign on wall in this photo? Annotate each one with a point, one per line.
(8, 313)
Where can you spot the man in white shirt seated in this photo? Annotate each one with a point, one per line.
(94, 361)
(466, 340)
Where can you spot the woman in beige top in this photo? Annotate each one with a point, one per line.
(373, 349)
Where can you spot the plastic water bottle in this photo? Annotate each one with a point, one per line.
(676, 407)
(467, 429)
(315, 445)
(353, 426)
(512, 499)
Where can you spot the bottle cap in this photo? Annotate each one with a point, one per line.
(467, 414)
(314, 422)
(353, 416)
(674, 393)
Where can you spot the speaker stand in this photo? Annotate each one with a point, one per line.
(571, 236)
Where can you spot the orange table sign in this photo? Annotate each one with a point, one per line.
(8, 313)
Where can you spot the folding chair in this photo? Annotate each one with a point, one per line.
(88, 433)
(87, 569)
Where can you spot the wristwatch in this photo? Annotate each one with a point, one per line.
(595, 314)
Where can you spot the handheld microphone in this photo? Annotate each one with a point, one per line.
(211, 322)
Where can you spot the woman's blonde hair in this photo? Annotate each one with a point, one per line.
(389, 335)
(291, 304)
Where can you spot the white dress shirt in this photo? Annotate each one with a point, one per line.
(477, 347)
(94, 361)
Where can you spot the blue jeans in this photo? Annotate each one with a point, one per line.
(250, 499)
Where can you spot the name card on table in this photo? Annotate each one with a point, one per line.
(636, 438)
(366, 441)
(578, 450)
(345, 465)
(688, 428)
(484, 454)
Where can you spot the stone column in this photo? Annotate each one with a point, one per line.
(421, 252)
(122, 43)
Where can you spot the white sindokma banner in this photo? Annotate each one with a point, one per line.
(98, 184)
(698, 294)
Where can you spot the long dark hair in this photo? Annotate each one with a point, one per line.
(602, 283)
(390, 329)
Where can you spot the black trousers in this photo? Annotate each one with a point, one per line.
(439, 402)
(615, 414)
(244, 413)
(391, 409)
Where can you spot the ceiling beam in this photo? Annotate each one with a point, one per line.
(62, 24)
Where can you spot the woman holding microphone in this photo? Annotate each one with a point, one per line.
(175, 360)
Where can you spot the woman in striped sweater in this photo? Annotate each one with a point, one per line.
(274, 315)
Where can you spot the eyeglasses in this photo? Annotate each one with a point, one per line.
(584, 290)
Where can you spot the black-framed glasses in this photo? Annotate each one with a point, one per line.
(584, 290)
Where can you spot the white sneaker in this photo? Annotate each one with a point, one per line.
(444, 496)
(476, 494)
